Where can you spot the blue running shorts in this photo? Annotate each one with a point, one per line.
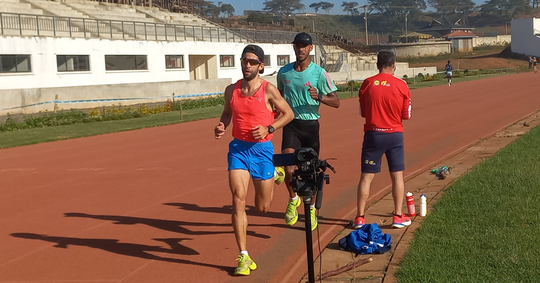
(255, 157)
(376, 144)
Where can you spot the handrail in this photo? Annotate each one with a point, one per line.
(49, 25)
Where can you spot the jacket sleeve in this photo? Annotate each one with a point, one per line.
(361, 98)
(407, 104)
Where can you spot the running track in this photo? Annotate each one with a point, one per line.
(153, 205)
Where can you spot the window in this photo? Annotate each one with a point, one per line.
(72, 63)
(226, 60)
(267, 61)
(15, 63)
(125, 62)
(174, 61)
(282, 60)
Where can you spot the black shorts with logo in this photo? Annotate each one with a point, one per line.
(378, 143)
(301, 133)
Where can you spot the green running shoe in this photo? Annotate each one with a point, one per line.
(279, 175)
(245, 265)
(291, 215)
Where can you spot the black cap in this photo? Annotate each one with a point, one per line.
(303, 38)
(255, 49)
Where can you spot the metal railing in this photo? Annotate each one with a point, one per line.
(47, 25)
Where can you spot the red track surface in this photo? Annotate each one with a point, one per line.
(153, 205)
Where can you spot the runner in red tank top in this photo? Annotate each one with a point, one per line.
(249, 104)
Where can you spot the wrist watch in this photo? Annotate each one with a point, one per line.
(271, 129)
(320, 97)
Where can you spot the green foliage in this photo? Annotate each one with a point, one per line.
(283, 7)
(199, 103)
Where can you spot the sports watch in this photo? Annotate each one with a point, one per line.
(271, 129)
(320, 97)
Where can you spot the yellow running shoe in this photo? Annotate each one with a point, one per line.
(245, 265)
(279, 175)
(314, 219)
(291, 215)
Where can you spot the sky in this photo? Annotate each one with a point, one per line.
(241, 5)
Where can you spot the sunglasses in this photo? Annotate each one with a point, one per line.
(252, 62)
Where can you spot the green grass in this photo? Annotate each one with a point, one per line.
(47, 134)
(486, 228)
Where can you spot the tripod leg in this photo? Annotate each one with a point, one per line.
(309, 241)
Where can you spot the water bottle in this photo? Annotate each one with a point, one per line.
(423, 205)
(410, 205)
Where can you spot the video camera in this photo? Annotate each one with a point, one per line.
(309, 176)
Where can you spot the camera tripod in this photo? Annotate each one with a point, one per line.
(307, 195)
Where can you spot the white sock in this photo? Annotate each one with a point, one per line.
(294, 198)
(244, 253)
(312, 206)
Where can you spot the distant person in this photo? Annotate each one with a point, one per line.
(249, 104)
(305, 86)
(535, 68)
(448, 68)
(530, 62)
(385, 101)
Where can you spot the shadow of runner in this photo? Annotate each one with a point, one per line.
(251, 210)
(167, 225)
(127, 249)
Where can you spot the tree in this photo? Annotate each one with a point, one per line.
(445, 7)
(283, 7)
(315, 6)
(327, 6)
(391, 8)
(505, 8)
(227, 9)
(350, 7)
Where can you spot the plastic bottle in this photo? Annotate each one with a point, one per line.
(423, 205)
(410, 204)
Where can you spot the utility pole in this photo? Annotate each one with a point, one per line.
(406, 32)
(365, 22)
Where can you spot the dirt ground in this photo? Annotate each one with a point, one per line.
(475, 61)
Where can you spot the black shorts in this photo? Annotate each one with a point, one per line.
(376, 144)
(301, 133)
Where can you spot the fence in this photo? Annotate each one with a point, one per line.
(46, 25)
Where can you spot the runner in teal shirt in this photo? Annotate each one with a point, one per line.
(305, 86)
(295, 85)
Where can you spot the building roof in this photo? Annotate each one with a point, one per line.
(460, 34)
(444, 24)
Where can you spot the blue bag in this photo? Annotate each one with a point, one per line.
(367, 240)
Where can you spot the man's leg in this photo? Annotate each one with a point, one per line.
(238, 183)
(398, 191)
(364, 187)
(264, 193)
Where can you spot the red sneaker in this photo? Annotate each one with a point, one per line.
(359, 221)
(400, 222)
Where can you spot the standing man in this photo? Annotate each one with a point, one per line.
(305, 86)
(249, 104)
(448, 68)
(385, 101)
(530, 62)
(535, 61)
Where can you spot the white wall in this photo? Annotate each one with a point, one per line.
(492, 40)
(44, 73)
(524, 40)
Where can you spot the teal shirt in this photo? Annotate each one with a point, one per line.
(295, 87)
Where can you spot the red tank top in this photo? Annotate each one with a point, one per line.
(250, 111)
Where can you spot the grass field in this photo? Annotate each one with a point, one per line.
(487, 225)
